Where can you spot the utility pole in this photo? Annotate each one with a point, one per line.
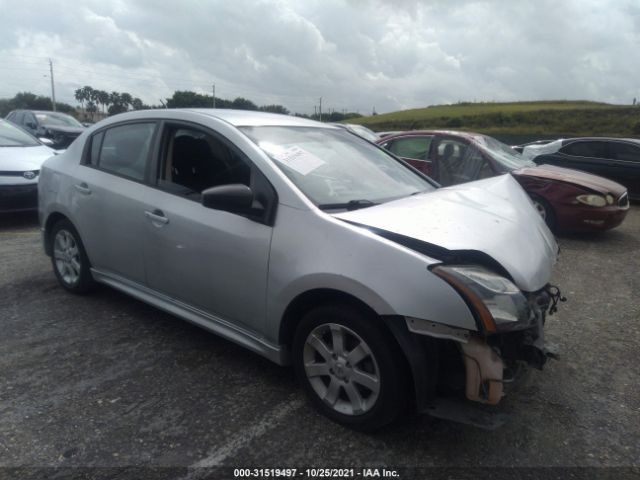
(320, 109)
(53, 90)
(214, 95)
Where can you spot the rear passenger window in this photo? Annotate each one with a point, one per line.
(124, 150)
(586, 149)
(412, 147)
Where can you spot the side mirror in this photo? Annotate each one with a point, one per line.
(234, 198)
(32, 125)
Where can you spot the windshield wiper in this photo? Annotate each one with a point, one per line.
(350, 205)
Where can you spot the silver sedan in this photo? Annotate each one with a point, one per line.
(311, 247)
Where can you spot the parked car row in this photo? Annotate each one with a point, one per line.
(55, 129)
(567, 199)
(21, 157)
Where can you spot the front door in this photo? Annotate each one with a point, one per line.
(212, 260)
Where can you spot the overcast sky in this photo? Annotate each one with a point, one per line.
(356, 54)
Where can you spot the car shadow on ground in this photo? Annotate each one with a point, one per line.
(18, 221)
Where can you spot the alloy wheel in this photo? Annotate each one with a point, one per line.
(66, 255)
(341, 369)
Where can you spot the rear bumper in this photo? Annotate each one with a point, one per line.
(18, 198)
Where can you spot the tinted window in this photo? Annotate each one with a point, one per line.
(586, 149)
(194, 161)
(125, 149)
(624, 151)
(411, 147)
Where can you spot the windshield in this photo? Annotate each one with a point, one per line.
(57, 119)
(504, 154)
(11, 136)
(336, 169)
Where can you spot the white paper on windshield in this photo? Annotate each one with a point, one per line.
(299, 160)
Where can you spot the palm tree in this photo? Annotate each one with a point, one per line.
(126, 100)
(79, 95)
(103, 98)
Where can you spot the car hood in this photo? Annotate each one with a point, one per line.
(62, 129)
(587, 180)
(22, 159)
(493, 217)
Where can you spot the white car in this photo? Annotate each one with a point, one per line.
(310, 246)
(21, 157)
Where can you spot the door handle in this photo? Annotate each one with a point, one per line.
(156, 216)
(83, 188)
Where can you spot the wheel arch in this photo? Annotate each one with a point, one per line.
(411, 349)
(52, 219)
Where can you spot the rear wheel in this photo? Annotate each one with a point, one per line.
(352, 372)
(69, 259)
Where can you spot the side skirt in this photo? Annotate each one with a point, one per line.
(209, 322)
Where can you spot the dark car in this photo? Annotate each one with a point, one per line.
(614, 158)
(568, 200)
(60, 128)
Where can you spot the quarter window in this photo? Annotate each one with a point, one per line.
(624, 151)
(124, 150)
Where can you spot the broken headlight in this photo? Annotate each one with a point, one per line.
(497, 302)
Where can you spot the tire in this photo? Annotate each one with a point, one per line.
(545, 210)
(361, 384)
(69, 258)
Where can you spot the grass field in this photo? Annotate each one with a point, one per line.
(518, 119)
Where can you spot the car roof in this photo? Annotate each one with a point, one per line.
(566, 141)
(454, 133)
(237, 118)
(251, 118)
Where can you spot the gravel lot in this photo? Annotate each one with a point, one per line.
(106, 381)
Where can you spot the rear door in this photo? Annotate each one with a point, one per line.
(110, 198)
(585, 155)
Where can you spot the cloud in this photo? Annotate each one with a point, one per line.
(355, 54)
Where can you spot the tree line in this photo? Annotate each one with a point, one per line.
(93, 101)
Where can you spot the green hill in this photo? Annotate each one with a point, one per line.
(518, 119)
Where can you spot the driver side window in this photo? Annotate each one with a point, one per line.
(194, 161)
(459, 162)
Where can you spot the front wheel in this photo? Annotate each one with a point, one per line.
(544, 210)
(352, 372)
(69, 259)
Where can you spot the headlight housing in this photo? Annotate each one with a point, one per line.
(497, 302)
(592, 200)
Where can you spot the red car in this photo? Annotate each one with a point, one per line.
(568, 200)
